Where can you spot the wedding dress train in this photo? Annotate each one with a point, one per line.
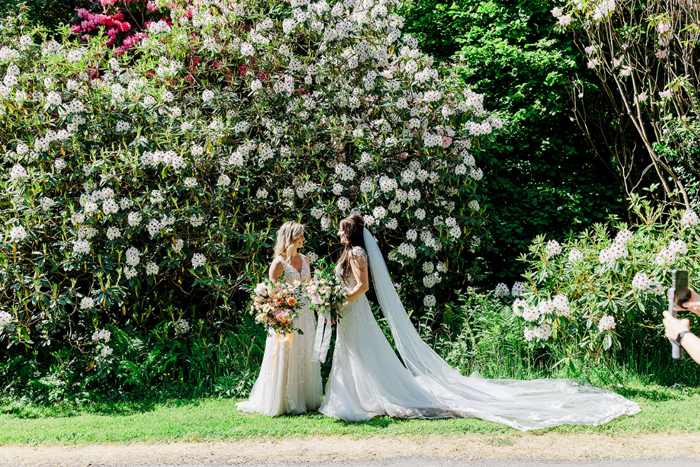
(368, 379)
(289, 381)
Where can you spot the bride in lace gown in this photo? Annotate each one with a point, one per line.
(368, 379)
(289, 381)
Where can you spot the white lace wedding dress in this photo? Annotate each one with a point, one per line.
(289, 381)
(368, 379)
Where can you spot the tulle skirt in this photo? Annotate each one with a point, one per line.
(289, 382)
(368, 379)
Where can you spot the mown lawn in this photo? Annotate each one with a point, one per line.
(667, 410)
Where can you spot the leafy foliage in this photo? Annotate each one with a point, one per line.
(544, 177)
(599, 300)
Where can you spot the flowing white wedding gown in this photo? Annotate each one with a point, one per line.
(368, 379)
(289, 381)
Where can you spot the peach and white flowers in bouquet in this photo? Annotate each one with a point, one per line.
(276, 306)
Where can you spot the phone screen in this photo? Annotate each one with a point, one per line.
(680, 284)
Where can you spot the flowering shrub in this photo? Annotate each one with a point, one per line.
(595, 292)
(644, 54)
(123, 21)
(152, 181)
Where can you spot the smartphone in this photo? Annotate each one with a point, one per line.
(678, 294)
(681, 291)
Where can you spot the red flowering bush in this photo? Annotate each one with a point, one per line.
(123, 21)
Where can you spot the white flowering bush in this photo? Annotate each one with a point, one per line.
(138, 181)
(607, 287)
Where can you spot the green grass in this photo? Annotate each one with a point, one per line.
(664, 410)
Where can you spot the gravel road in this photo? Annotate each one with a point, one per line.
(518, 450)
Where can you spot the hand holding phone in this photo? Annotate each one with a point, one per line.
(678, 294)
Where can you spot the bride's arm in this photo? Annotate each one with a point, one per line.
(276, 271)
(358, 265)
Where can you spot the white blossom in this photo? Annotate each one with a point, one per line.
(17, 233)
(198, 260)
(689, 218)
(502, 290)
(133, 256)
(518, 289)
(606, 323)
(575, 256)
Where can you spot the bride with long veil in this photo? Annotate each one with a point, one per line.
(368, 379)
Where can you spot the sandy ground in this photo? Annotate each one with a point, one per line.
(343, 449)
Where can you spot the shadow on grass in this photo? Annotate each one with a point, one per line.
(28, 410)
(650, 394)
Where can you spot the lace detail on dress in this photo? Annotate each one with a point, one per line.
(290, 272)
(359, 252)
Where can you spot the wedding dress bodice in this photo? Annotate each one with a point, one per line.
(291, 274)
(349, 280)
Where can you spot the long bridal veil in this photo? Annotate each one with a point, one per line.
(524, 405)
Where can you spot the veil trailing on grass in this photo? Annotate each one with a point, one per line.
(524, 405)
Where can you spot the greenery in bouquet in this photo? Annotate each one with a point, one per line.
(325, 291)
(276, 306)
(603, 290)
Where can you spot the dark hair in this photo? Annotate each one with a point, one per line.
(353, 228)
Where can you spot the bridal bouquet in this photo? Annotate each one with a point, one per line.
(326, 293)
(277, 305)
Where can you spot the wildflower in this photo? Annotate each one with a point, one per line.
(182, 327)
(18, 172)
(429, 301)
(113, 233)
(81, 247)
(561, 305)
(87, 303)
(565, 20)
(5, 319)
(132, 256)
(151, 268)
(101, 335)
(641, 281)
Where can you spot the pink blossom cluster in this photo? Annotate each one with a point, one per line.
(120, 30)
(114, 24)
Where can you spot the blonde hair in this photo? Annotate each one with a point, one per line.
(286, 235)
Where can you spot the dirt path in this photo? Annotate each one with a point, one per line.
(338, 448)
